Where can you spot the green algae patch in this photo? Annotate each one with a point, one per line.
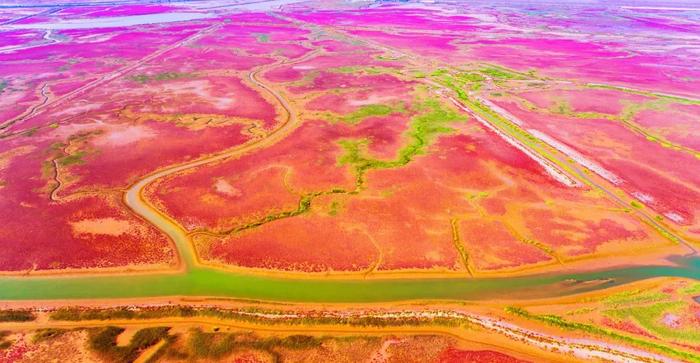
(46, 334)
(3, 86)
(459, 82)
(72, 159)
(501, 73)
(634, 297)
(470, 77)
(387, 58)
(163, 76)
(261, 37)
(651, 316)
(693, 289)
(418, 74)
(367, 111)
(636, 205)
(303, 207)
(345, 69)
(432, 119)
(367, 70)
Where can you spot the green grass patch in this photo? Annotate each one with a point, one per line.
(650, 318)
(47, 334)
(16, 316)
(367, 111)
(303, 207)
(387, 59)
(211, 345)
(363, 69)
(470, 77)
(79, 314)
(202, 345)
(4, 344)
(72, 159)
(163, 76)
(501, 73)
(559, 322)
(634, 297)
(692, 290)
(460, 81)
(104, 342)
(334, 208)
(562, 107)
(30, 132)
(3, 85)
(439, 72)
(345, 69)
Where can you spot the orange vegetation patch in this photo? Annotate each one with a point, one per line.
(492, 246)
(589, 231)
(407, 221)
(219, 202)
(108, 226)
(301, 244)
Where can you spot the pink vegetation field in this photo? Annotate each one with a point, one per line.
(358, 157)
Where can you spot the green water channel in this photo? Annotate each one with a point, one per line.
(219, 283)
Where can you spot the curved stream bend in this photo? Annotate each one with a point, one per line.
(134, 199)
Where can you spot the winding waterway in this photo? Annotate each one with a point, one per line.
(202, 281)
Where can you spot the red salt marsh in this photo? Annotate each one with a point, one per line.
(196, 99)
(584, 100)
(676, 123)
(107, 138)
(329, 63)
(301, 164)
(585, 61)
(662, 175)
(331, 80)
(93, 231)
(260, 40)
(314, 244)
(231, 198)
(454, 355)
(407, 211)
(339, 151)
